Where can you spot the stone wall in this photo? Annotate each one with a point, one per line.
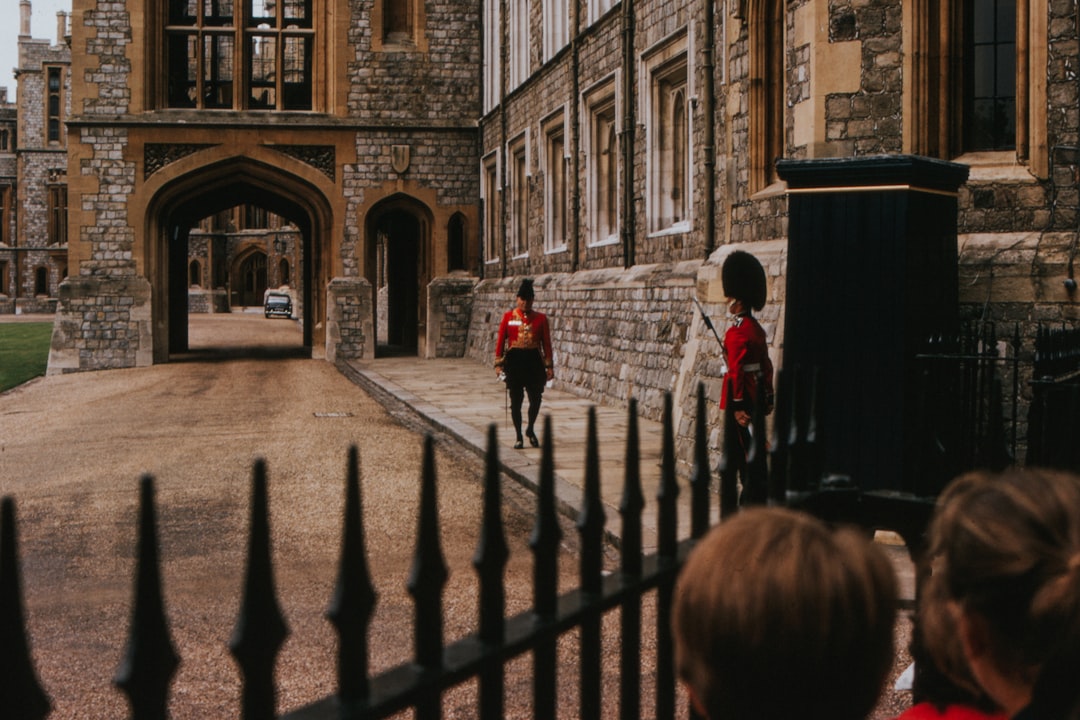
(450, 301)
(350, 331)
(101, 323)
(615, 335)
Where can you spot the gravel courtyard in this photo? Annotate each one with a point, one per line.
(72, 450)
(73, 447)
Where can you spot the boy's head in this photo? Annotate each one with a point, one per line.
(777, 616)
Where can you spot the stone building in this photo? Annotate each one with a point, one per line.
(33, 173)
(626, 147)
(354, 122)
(8, 183)
(430, 154)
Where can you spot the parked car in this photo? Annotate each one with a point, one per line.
(278, 303)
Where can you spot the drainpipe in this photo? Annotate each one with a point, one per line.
(575, 141)
(707, 112)
(504, 83)
(629, 211)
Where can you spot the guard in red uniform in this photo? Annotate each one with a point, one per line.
(749, 369)
(523, 358)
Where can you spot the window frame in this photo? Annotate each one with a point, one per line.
(490, 189)
(556, 27)
(492, 54)
(556, 169)
(599, 8)
(54, 116)
(413, 38)
(768, 86)
(56, 201)
(518, 175)
(222, 50)
(934, 55)
(519, 43)
(600, 139)
(665, 71)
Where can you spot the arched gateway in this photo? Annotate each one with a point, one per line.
(125, 309)
(181, 204)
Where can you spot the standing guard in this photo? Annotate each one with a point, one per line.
(749, 369)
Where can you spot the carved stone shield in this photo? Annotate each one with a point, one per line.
(399, 157)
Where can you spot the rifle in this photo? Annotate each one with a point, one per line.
(708, 324)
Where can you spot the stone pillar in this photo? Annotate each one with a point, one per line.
(102, 323)
(871, 275)
(449, 306)
(350, 326)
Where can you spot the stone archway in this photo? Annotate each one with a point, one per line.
(185, 201)
(398, 242)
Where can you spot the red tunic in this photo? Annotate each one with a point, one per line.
(523, 331)
(747, 355)
(926, 711)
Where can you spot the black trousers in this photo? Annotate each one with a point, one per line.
(525, 373)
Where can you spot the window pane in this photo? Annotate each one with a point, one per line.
(54, 79)
(218, 12)
(54, 105)
(1006, 70)
(298, 13)
(263, 79)
(983, 71)
(182, 12)
(297, 73)
(1006, 20)
(982, 20)
(263, 13)
(1005, 123)
(218, 71)
(982, 125)
(182, 71)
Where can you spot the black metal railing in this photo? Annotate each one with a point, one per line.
(967, 420)
(790, 470)
(1054, 414)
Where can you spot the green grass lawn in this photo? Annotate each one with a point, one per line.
(24, 352)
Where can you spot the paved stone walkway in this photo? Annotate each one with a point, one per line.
(462, 398)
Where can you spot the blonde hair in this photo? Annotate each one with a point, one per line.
(777, 616)
(1007, 547)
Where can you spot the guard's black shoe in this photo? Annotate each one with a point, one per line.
(532, 438)
(519, 444)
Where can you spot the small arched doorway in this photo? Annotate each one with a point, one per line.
(251, 278)
(398, 239)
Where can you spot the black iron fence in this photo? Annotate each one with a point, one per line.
(790, 471)
(1054, 416)
(968, 404)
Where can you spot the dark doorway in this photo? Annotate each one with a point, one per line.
(253, 279)
(401, 233)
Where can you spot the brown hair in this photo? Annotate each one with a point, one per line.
(1007, 547)
(777, 616)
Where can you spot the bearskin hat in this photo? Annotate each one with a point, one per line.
(525, 292)
(744, 279)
